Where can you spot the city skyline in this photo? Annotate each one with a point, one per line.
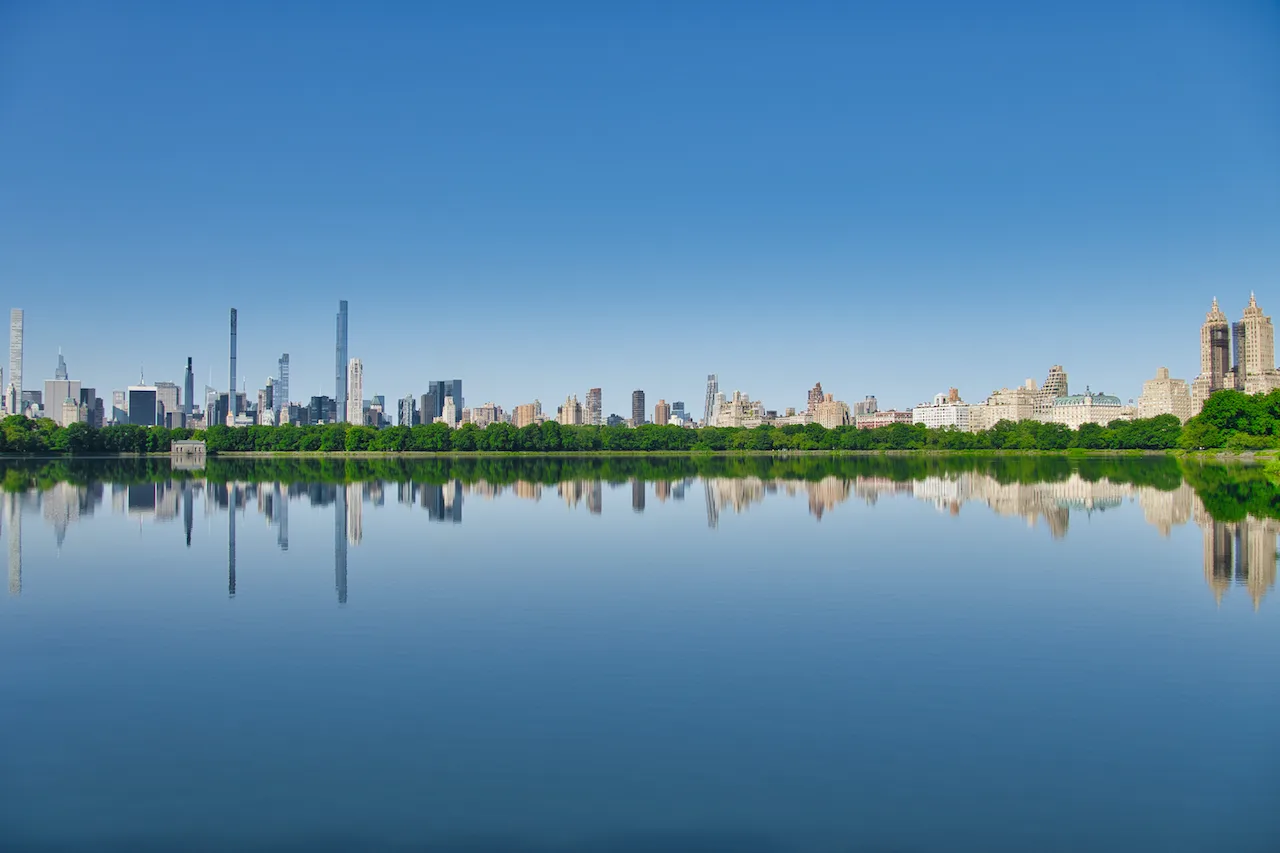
(1232, 356)
(994, 181)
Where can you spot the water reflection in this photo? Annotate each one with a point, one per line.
(1231, 506)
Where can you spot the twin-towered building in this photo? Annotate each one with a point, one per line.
(1239, 356)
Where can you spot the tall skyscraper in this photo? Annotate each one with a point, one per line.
(1215, 357)
(281, 399)
(340, 378)
(1255, 367)
(441, 389)
(661, 413)
(428, 408)
(407, 414)
(815, 397)
(169, 399)
(355, 392)
(594, 413)
(188, 390)
(142, 405)
(15, 361)
(637, 408)
(60, 372)
(234, 400)
(709, 407)
(1055, 386)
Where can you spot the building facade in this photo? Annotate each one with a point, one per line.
(661, 413)
(1215, 357)
(594, 414)
(1077, 409)
(711, 406)
(830, 412)
(1007, 404)
(526, 414)
(355, 392)
(815, 398)
(875, 420)
(1165, 396)
(142, 405)
(946, 411)
(570, 413)
(13, 401)
(1055, 386)
(637, 408)
(1255, 368)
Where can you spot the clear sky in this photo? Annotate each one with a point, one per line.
(538, 198)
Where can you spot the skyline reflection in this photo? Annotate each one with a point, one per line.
(1239, 551)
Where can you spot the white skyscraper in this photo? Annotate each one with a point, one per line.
(13, 400)
(355, 392)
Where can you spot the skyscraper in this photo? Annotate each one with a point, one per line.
(168, 398)
(1215, 357)
(234, 400)
(1255, 368)
(60, 372)
(441, 389)
(709, 407)
(815, 397)
(281, 399)
(188, 389)
(14, 405)
(407, 413)
(340, 378)
(142, 405)
(637, 408)
(428, 408)
(594, 413)
(355, 392)
(661, 413)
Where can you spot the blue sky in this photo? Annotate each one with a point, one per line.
(891, 198)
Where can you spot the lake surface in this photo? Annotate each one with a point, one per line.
(866, 655)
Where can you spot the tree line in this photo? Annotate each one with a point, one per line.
(22, 435)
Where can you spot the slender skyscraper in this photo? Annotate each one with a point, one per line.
(15, 358)
(60, 372)
(281, 398)
(709, 408)
(340, 377)
(637, 408)
(188, 392)
(355, 386)
(234, 408)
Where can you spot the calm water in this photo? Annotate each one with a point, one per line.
(861, 656)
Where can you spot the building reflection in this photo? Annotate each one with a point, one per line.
(1239, 554)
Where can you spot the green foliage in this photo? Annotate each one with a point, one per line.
(1230, 416)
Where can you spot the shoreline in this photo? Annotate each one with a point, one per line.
(586, 454)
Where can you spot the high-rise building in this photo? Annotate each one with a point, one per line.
(119, 407)
(408, 414)
(13, 398)
(1215, 357)
(1255, 367)
(571, 411)
(355, 392)
(450, 413)
(322, 410)
(280, 402)
(58, 391)
(482, 416)
(428, 408)
(594, 414)
(189, 390)
(677, 412)
(815, 397)
(867, 407)
(169, 397)
(93, 404)
(637, 408)
(231, 394)
(524, 415)
(142, 405)
(711, 405)
(1165, 396)
(1055, 386)
(343, 363)
(661, 413)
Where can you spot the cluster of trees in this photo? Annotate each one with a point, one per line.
(20, 435)
(1235, 421)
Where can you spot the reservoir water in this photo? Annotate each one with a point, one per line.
(862, 655)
